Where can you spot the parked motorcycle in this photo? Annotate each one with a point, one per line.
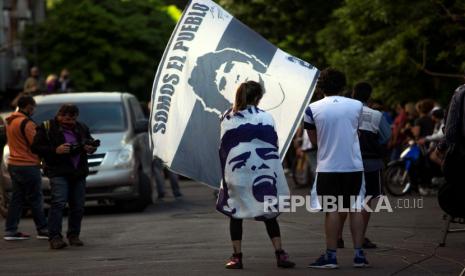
(399, 173)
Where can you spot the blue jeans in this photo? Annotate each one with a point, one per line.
(66, 190)
(26, 188)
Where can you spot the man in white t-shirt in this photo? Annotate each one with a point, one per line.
(332, 124)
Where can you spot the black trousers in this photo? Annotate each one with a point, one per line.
(235, 228)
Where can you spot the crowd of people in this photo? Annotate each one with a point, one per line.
(35, 85)
(350, 137)
(351, 140)
(420, 122)
(51, 147)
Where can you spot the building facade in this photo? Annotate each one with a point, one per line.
(15, 15)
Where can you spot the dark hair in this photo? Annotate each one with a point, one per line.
(68, 109)
(26, 100)
(438, 113)
(425, 106)
(247, 93)
(246, 133)
(203, 75)
(331, 81)
(362, 92)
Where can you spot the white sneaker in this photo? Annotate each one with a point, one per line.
(16, 237)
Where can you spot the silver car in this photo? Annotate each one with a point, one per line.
(120, 169)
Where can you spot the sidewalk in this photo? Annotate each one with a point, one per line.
(188, 237)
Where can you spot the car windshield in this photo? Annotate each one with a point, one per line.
(99, 117)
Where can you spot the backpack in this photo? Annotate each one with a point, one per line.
(43, 164)
(22, 128)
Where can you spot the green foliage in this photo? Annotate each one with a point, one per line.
(108, 45)
(289, 24)
(406, 49)
(393, 44)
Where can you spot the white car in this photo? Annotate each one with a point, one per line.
(120, 169)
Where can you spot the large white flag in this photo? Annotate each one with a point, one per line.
(209, 54)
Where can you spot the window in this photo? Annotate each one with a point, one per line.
(136, 109)
(100, 117)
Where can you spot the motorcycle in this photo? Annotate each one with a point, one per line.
(399, 174)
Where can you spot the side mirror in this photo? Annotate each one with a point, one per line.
(141, 126)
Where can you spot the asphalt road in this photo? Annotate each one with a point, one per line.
(188, 237)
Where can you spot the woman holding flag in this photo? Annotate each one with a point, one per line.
(252, 171)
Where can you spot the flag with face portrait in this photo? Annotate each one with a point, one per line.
(253, 177)
(208, 55)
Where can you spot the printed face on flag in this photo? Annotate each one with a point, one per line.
(257, 163)
(231, 74)
(209, 55)
(223, 71)
(234, 72)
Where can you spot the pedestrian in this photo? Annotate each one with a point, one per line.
(452, 149)
(305, 151)
(65, 84)
(24, 169)
(424, 124)
(32, 84)
(412, 116)
(251, 170)
(158, 169)
(332, 124)
(374, 133)
(64, 143)
(438, 134)
(397, 138)
(52, 83)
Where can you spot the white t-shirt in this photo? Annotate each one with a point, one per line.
(336, 120)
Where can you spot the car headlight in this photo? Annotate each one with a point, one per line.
(125, 157)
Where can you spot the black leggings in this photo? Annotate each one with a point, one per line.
(235, 228)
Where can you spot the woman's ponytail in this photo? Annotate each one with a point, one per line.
(241, 98)
(248, 93)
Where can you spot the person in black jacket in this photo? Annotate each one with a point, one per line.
(63, 144)
(452, 150)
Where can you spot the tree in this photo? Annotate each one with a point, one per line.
(408, 50)
(289, 24)
(108, 45)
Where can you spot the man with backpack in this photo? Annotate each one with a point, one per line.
(64, 143)
(24, 169)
